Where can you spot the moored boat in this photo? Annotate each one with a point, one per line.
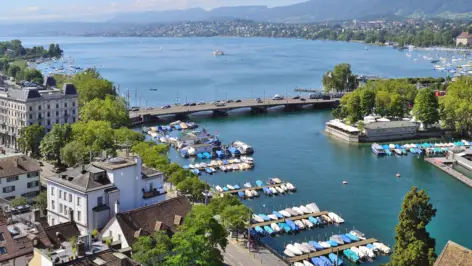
(289, 253)
(335, 218)
(309, 247)
(302, 248)
(350, 255)
(336, 238)
(294, 249)
(305, 209)
(324, 244)
(307, 223)
(377, 149)
(285, 213)
(272, 216)
(300, 224)
(257, 218)
(275, 227)
(313, 207)
(358, 234)
(278, 214)
(254, 193)
(316, 245)
(370, 253)
(248, 193)
(335, 259)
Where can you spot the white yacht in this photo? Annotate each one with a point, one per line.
(218, 53)
(336, 218)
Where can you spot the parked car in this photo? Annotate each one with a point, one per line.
(229, 101)
(302, 99)
(258, 100)
(296, 97)
(237, 101)
(165, 107)
(278, 97)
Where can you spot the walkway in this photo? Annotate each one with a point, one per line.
(237, 255)
(440, 163)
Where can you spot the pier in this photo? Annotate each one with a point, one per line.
(234, 191)
(293, 218)
(331, 250)
(151, 114)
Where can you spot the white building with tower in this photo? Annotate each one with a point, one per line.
(94, 193)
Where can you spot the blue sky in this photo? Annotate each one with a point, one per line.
(83, 10)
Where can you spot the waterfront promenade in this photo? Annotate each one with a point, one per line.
(444, 164)
(258, 107)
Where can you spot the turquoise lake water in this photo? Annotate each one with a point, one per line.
(292, 146)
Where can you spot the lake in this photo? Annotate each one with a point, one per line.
(292, 146)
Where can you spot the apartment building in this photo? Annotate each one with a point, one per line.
(19, 176)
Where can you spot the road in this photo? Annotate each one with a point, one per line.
(247, 103)
(237, 255)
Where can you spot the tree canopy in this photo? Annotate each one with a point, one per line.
(151, 251)
(95, 135)
(30, 139)
(75, 153)
(90, 86)
(340, 79)
(413, 245)
(19, 201)
(54, 141)
(456, 107)
(426, 108)
(112, 109)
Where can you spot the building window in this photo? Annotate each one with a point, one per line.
(8, 189)
(119, 237)
(78, 201)
(33, 184)
(60, 207)
(57, 105)
(70, 197)
(49, 122)
(12, 178)
(73, 119)
(39, 116)
(2, 238)
(99, 201)
(65, 112)
(3, 250)
(73, 111)
(65, 210)
(31, 116)
(60, 193)
(65, 195)
(53, 205)
(52, 191)
(33, 174)
(49, 114)
(79, 214)
(53, 221)
(31, 108)
(73, 104)
(39, 108)
(65, 105)
(57, 113)
(49, 106)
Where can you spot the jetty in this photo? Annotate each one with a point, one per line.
(293, 218)
(334, 250)
(143, 115)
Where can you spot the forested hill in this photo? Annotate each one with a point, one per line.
(310, 11)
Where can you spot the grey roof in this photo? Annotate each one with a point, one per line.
(82, 180)
(18, 165)
(23, 94)
(391, 124)
(69, 89)
(50, 81)
(148, 173)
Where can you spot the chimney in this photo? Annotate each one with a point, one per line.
(71, 215)
(117, 206)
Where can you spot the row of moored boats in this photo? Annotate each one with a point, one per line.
(241, 164)
(418, 149)
(354, 254)
(248, 191)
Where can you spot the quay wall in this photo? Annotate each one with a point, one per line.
(464, 162)
(341, 134)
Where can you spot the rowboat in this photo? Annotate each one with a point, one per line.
(299, 224)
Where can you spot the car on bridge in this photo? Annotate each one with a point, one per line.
(237, 101)
(165, 107)
(278, 97)
(192, 104)
(201, 103)
(296, 97)
(220, 104)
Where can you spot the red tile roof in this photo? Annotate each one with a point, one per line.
(465, 35)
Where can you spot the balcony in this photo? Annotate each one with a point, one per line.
(153, 193)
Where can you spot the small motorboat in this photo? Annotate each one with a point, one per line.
(307, 263)
(236, 187)
(254, 193)
(292, 225)
(276, 180)
(300, 224)
(257, 218)
(285, 213)
(272, 217)
(358, 234)
(305, 209)
(275, 227)
(259, 230)
(322, 221)
(326, 218)
(285, 227)
(265, 217)
(208, 171)
(290, 186)
(314, 221)
(298, 264)
(191, 166)
(259, 183)
(302, 248)
(247, 185)
(313, 207)
(382, 247)
(268, 230)
(335, 259)
(292, 212)
(350, 255)
(294, 249)
(280, 190)
(345, 239)
(325, 260)
(307, 223)
(332, 243)
(324, 244)
(222, 168)
(219, 189)
(289, 253)
(316, 245)
(309, 247)
(230, 187)
(357, 251)
(273, 190)
(333, 216)
(374, 249)
(248, 193)
(352, 237)
(267, 191)
(370, 253)
(225, 189)
(284, 187)
(241, 194)
(336, 238)
(300, 212)
(318, 262)
(278, 214)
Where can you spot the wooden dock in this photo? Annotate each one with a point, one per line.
(293, 218)
(234, 191)
(334, 250)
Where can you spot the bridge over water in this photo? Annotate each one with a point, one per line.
(152, 114)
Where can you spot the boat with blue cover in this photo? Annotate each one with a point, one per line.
(207, 155)
(332, 243)
(178, 127)
(259, 230)
(225, 188)
(316, 245)
(236, 187)
(335, 259)
(234, 151)
(267, 191)
(352, 237)
(195, 171)
(208, 170)
(318, 262)
(326, 260)
(337, 238)
(377, 149)
(200, 155)
(321, 221)
(350, 255)
(259, 183)
(313, 220)
(265, 217)
(285, 227)
(241, 194)
(220, 154)
(292, 225)
(276, 213)
(268, 230)
(346, 239)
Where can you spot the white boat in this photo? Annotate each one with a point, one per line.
(294, 249)
(292, 212)
(243, 147)
(358, 252)
(306, 263)
(301, 248)
(289, 253)
(273, 190)
(324, 244)
(285, 213)
(367, 251)
(307, 223)
(164, 140)
(275, 227)
(284, 187)
(382, 247)
(326, 217)
(290, 186)
(257, 218)
(222, 168)
(391, 146)
(230, 187)
(218, 53)
(300, 224)
(272, 216)
(212, 169)
(358, 234)
(254, 193)
(309, 247)
(298, 264)
(237, 161)
(362, 252)
(300, 212)
(276, 180)
(219, 189)
(247, 184)
(305, 209)
(335, 218)
(281, 191)
(248, 193)
(191, 166)
(197, 166)
(313, 207)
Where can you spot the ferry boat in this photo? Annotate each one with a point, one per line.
(377, 149)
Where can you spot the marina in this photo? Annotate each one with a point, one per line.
(270, 188)
(426, 149)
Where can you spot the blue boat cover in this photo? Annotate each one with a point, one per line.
(346, 239)
(241, 194)
(280, 216)
(236, 187)
(259, 183)
(326, 260)
(316, 245)
(332, 243)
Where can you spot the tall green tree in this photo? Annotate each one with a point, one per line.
(54, 141)
(150, 251)
(426, 108)
(19, 201)
(367, 101)
(128, 136)
(340, 79)
(90, 85)
(96, 135)
(75, 153)
(397, 106)
(413, 245)
(194, 187)
(30, 139)
(112, 109)
(456, 107)
(236, 217)
(41, 201)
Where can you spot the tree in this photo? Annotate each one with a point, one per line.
(218, 204)
(457, 110)
(30, 139)
(426, 108)
(236, 217)
(353, 107)
(33, 75)
(112, 109)
(18, 202)
(382, 102)
(96, 135)
(90, 85)
(13, 71)
(75, 153)
(193, 186)
(199, 239)
(150, 251)
(413, 245)
(54, 141)
(128, 136)
(367, 101)
(397, 106)
(41, 201)
(178, 176)
(340, 79)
